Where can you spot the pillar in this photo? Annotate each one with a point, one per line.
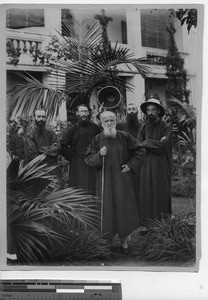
(134, 40)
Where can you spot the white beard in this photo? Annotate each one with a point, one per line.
(110, 132)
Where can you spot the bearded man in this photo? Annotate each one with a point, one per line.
(132, 124)
(116, 155)
(155, 178)
(41, 140)
(74, 143)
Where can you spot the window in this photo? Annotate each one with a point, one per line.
(21, 18)
(153, 27)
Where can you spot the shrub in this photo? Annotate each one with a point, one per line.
(172, 239)
(43, 221)
(184, 187)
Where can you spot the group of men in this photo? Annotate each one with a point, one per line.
(127, 165)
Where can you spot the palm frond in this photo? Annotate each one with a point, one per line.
(170, 239)
(39, 224)
(79, 38)
(24, 98)
(100, 69)
(185, 112)
(74, 206)
(35, 169)
(84, 246)
(25, 229)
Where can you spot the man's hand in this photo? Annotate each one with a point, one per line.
(125, 169)
(103, 151)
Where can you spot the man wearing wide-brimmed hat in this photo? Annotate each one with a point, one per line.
(155, 178)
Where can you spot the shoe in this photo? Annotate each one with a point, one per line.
(124, 251)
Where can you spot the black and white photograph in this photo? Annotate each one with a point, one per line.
(103, 116)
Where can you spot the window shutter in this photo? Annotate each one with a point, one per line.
(124, 32)
(153, 27)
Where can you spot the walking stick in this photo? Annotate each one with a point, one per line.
(102, 191)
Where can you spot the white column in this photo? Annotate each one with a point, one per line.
(192, 46)
(134, 39)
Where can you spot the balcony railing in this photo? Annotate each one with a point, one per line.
(158, 60)
(19, 43)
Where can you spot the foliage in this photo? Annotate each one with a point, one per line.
(184, 186)
(26, 97)
(100, 70)
(12, 52)
(186, 16)
(43, 220)
(84, 62)
(72, 42)
(171, 239)
(14, 141)
(177, 75)
(182, 116)
(91, 248)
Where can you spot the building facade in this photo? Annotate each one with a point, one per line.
(141, 29)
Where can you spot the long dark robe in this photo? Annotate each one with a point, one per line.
(37, 143)
(155, 177)
(132, 125)
(47, 143)
(74, 143)
(119, 205)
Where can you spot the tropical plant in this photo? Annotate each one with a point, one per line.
(12, 53)
(182, 116)
(14, 140)
(177, 75)
(184, 186)
(171, 239)
(186, 16)
(43, 221)
(24, 98)
(84, 62)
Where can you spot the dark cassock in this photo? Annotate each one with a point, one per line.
(155, 175)
(42, 142)
(45, 142)
(74, 143)
(119, 204)
(131, 125)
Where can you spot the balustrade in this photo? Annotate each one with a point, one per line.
(159, 60)
(19, 43)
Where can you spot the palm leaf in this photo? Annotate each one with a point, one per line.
(75, 206)
(89, 65)
(185, 113)
(100, 67)
(35, 169)
(25, 230)
(25, 98)
(79, 38)
(85, 76)
(39, 226)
